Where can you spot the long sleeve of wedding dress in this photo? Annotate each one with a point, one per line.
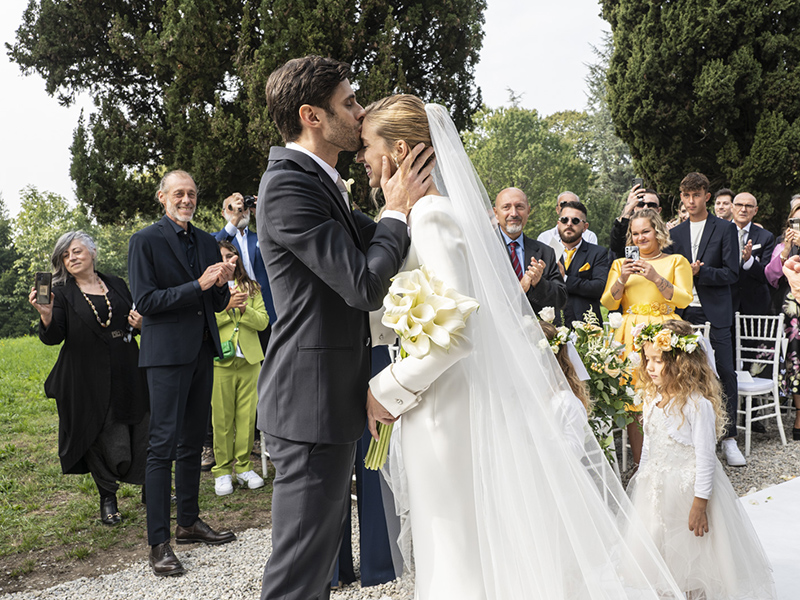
(437, 243)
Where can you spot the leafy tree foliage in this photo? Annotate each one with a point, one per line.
(711, 87)
(180, 83)
(15, 314)
(515, 147)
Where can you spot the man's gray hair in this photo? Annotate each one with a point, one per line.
(60, 273)
(558, 199)
(162, 185)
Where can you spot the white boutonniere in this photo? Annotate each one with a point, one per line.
(348, 183)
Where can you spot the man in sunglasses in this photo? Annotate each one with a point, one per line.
(547, 236)
(584, 265)
(638, 198)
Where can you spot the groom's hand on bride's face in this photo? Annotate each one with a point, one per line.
(410, 182)
(375, 413)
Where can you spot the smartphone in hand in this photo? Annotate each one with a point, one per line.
(43, 284)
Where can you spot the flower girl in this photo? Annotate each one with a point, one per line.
(681, 492)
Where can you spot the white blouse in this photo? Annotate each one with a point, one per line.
(698, 429)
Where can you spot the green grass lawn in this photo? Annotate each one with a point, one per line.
(44, 511)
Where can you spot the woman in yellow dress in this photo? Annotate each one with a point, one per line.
(648, 290)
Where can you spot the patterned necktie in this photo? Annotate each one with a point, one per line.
(568, 254)
(515, 259)
(742, 241)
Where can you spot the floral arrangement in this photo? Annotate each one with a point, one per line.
(663, 339)
(609, 372)
(422, 311)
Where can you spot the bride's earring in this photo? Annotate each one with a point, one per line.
(396, 164)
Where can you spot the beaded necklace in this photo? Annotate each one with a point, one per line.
(94, 310)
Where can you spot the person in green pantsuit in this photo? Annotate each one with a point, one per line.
(234, 399)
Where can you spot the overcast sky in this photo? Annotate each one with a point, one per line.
(538, 49)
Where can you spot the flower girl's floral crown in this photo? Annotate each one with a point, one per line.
(562, 337)
(663, 339)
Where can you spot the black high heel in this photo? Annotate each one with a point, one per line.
(796, 434)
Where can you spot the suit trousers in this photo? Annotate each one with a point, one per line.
(310, 500)
(233, 415)
(722, 343)
(180, 398)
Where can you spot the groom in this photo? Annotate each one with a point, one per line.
(327, 266)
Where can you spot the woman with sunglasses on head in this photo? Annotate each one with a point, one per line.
(648, 289)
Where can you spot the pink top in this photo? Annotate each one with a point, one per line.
(774, 270)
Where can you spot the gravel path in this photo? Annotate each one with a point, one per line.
(233, 571)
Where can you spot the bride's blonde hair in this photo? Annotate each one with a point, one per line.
(400, 117)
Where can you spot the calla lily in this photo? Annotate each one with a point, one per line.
(418, 346)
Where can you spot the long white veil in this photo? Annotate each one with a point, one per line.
(552, 524)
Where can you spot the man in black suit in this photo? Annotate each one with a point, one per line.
(178, 282)
(534, 262)
(710, 245)
(751, 296)
(584, 265)
(328, 266)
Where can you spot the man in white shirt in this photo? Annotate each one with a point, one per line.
(710, 245)
(552, 234)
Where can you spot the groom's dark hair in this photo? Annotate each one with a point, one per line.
(308, 80)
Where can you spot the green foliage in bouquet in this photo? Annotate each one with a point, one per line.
(610, 377)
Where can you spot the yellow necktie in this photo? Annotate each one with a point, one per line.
(568, 257)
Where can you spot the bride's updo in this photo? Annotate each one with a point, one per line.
(400, 117)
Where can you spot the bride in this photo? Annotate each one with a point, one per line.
(500, 506)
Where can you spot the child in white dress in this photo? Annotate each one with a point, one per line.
(681, 492)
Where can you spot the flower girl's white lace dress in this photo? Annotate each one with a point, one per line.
(678, 463)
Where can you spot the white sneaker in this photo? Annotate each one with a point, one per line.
(733, 456)
(223, 485)
(251, 479)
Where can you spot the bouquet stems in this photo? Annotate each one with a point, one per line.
(379, 450)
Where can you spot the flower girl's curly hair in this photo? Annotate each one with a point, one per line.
(684, 374)
(562, 356)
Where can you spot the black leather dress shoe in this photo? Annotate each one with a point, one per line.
(200, 532)
(109, 513)
(163, 560)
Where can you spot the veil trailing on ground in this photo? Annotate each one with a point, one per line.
(553, 523)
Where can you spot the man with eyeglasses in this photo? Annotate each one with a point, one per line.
(584, 265)
(723, 204)
(638, 198)
(534, 262)
(751, 296)
(547, 236)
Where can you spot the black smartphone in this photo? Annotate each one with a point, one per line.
(43, 285)
(632, 252)
(637, 181)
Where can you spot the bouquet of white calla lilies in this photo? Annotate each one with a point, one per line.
(422, 310)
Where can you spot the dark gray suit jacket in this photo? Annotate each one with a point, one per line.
(327, 266)
(175, 310)
(551, 289)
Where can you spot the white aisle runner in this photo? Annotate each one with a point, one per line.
(775, 513)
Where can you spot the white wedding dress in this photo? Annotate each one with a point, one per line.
(508, 494)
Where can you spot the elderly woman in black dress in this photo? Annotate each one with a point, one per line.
(99, 390)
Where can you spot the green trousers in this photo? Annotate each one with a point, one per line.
(233, 415)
